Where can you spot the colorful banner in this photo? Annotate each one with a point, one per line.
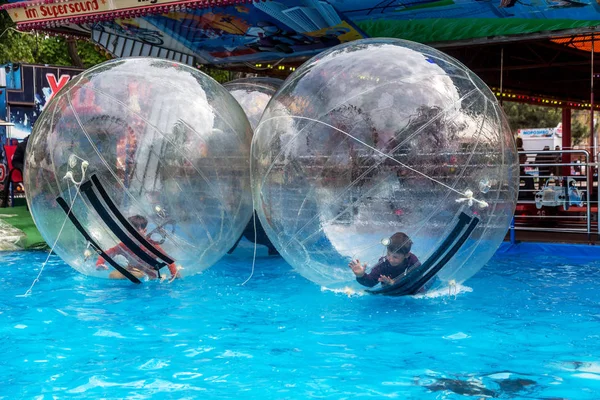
(29, 88)
(22, 12)
(250, 33)
(429, 21)
(271, 30)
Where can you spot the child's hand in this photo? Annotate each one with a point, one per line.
(101, 267)
(386, 280)
(357, 268)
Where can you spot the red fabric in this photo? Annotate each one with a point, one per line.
(133, 260)
(15, 176)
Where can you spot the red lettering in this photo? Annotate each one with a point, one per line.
(31, 13)
(63, 9)
(54, 86)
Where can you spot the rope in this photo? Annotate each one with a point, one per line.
(68, 176)
(253, 222)
(255, 239)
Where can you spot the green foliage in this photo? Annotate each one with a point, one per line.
(219, 75)
(53, 51)
(14, 45)
(580, 126)
(32, 48)
(89, 54)
(523, 116)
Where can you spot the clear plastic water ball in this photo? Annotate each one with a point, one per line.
(253, 94)
(141, 137)
(380, 136)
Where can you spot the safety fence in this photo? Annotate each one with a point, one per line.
(558, 192)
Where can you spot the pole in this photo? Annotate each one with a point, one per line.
(566, 141)
(592, 133)
(513, 238)
(592, 143)
(501, 76)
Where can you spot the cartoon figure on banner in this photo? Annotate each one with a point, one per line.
(132, 29)
(272, 38)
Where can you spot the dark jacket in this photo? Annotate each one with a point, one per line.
(18, 158)
(383, 267)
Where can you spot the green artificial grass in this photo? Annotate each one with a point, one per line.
(20, 218)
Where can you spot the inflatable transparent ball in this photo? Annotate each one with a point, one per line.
(380, 136)
(253, 94)
(145, 138)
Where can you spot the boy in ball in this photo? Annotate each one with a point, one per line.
(391, 268)
(137, 267)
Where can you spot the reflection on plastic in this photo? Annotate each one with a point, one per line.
(375, 137)
(167, 143)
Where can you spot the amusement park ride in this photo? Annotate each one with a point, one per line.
(539, 53)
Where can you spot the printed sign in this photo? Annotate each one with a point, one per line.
(539, 132)
(270, 29)
(31, 88)
(73, 8)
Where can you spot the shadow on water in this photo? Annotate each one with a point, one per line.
(496, 385)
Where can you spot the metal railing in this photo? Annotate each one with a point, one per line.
(544, 178)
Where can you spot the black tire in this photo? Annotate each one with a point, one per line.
(151, 39)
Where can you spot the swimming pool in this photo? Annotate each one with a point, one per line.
(527, 327)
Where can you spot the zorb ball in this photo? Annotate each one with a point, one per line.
(149, 156)
(253, 94)
(381, 136)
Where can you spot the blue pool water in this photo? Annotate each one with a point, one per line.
(527, 326)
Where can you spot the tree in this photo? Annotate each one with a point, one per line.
(523, 116)
(580, 126)
(38, 48)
